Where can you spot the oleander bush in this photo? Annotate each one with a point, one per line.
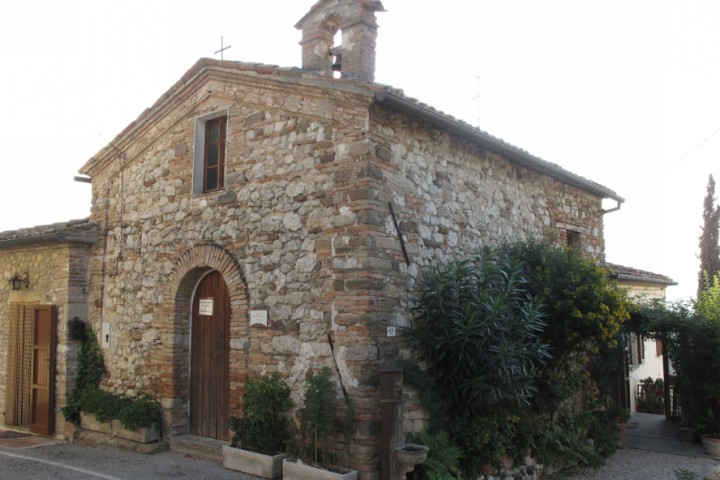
(515, 345)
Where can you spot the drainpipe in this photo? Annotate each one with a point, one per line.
(615, 208)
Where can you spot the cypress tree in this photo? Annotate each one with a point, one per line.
(709, 250)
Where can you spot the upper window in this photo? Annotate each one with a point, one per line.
(572, 239)
(214, 162)
(209, 158)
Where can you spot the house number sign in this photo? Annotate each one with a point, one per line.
(206, 306)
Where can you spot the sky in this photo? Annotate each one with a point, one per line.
(623, 92)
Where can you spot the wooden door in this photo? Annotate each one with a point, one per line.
(209, 365)
(42, 387)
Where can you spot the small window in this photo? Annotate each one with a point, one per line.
(209, 158)
(572, 239)
(637, 349)
(214, 161)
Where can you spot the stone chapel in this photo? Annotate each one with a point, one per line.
(260, 219)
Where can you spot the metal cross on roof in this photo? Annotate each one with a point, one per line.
(222, 48)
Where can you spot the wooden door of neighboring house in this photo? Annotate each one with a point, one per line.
(209, 364)
(43, 370)
(30, 393)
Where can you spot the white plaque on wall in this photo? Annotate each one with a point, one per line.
(206, 306)
(258, 317)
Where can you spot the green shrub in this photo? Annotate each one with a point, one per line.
(616, 411)
(603, 431)
(104, 405)
(141, 412)
(692, 343)
(91, 368)
(133, 413)
(515, 344)
(583, 308)
(709, 423)
(443, 460)
(481, 441)
(478, 332)
(563, 443)
(264, 426)
(320, 421)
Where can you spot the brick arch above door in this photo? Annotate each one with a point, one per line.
(173, 361)
(208, 256)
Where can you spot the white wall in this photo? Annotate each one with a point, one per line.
(651, 366)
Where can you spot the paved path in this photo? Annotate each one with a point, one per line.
(652, 450)
(64, 461)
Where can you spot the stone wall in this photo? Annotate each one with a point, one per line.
(303, 230)
(58, 274)
(277, 221)
(449, 198)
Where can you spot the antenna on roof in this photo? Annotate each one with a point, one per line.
(222, 48)
(477, 98)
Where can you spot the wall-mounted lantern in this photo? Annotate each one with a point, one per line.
(76, 329)
(18, 283)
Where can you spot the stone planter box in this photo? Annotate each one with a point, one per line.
(89, 421)
(71, 432)
(140, 435)
(265, 466)
(293, 470)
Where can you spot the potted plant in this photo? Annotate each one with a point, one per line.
(620, 417)
(708, 426)
(482, 437)
(137, 419)
(90, 372)
(261, 435)
(528, 428)
(320, 424)
(97, 409)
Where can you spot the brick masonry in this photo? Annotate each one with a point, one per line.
(303, 230)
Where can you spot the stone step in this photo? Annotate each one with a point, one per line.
(198, 447)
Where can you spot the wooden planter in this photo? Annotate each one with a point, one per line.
(140, 435)
(265, 466)
(712, 446)
(293, 470)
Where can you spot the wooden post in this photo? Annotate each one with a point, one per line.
(391, 422)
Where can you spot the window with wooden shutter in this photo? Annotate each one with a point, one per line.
(209, 152)
(214, 158)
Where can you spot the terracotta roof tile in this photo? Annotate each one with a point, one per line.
(61, 231)
(628, 273)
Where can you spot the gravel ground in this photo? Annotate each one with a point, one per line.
(75, 462)
(632, 464)
(94, 463)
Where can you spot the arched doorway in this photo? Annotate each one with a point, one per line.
(172, 361)
(209, 358)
